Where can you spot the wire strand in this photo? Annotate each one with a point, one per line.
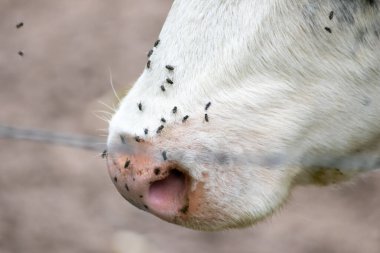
(64, 139)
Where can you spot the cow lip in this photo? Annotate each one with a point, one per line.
(168, 196)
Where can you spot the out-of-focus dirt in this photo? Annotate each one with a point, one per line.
(55, 199)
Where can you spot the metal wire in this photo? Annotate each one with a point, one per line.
(361, 161)
(64, 139)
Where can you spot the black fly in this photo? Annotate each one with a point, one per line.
(331, 15)
(122, 138)
(207, 106)
(104, 154)
(185, 118)
(169, 81)
(206, 117)
(159, 129)
(164, 156)
(169, 67)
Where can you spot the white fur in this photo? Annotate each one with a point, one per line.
(287, 96)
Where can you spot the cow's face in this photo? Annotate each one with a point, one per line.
(186, 141)
(200, 140)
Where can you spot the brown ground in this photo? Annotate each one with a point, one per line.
(55, 199)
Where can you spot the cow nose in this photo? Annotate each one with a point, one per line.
(159, 187)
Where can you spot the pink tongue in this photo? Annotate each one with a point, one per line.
(167, 196)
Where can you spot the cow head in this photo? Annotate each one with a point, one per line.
(216, 130)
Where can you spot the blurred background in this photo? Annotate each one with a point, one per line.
(60, 199)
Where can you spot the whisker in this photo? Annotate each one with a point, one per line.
(101, 117)
(113, 109)
(102, 130)
(113, 88)
(104, 112)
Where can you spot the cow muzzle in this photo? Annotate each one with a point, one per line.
(159, 187)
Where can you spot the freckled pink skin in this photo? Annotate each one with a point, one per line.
(163, 194)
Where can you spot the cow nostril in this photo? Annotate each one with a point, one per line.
(168, 195)
(173, 174)
(176, 173)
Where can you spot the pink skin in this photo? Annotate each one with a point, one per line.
(158, 187)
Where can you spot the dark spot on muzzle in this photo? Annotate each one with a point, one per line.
(157, 171)
(126, 165)
(184, 209)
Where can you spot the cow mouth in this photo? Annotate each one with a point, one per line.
(168, 196)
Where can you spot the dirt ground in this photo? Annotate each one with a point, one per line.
(58, 199)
